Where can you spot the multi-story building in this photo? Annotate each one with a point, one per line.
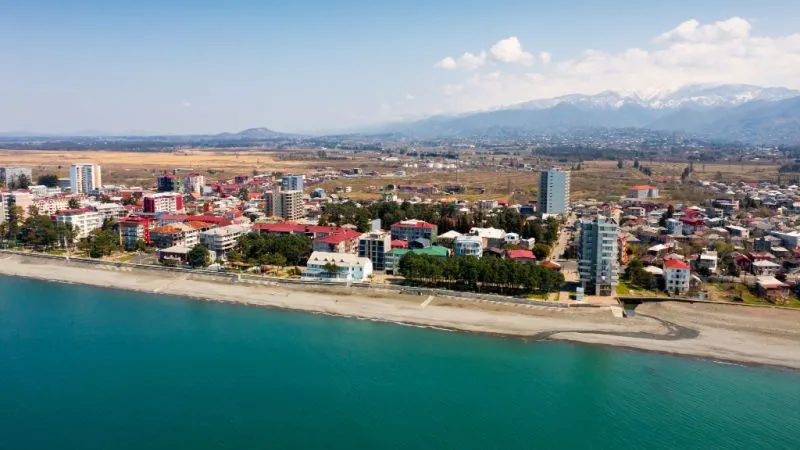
(193, 183)
(676, 276)
(223, 239)
(324, 266)
(135, 229)
(674, 227)
(83, 220)
(468, 245)
(287, 205)
(174, 234)
(11, 175)
(85, 178)
(50, 205)
(643, 191)
(375, 245)
(20, 199)
(3, 211)
(164, 202)
(293, 182)
(345, 241)
(169, 182)
(408, 230)
(554, 187)
(597, 256)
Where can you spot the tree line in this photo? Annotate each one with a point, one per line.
(468, 273)
(268, 248)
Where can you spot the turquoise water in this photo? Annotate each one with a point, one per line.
(86, 368)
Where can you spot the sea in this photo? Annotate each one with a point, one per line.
(93, 368)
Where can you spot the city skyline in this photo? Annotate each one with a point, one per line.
(180, 67)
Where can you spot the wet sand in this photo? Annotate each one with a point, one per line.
(720, 332)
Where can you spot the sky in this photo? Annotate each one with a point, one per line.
(201, 66)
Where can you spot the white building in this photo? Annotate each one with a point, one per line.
(375, 245)
(193, 183)
(597, 256)
(222, 240)
(468, 246)
(10, 175)
(491, 237)
(163, 202)
(342, 267)
(708, 259)
(676, 276)
(554, 187)
(85, 178)
(50, 205)
(84, 221)
(110, 210)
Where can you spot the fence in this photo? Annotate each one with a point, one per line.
(267, 280)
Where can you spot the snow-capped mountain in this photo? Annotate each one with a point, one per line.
(692, 96)
(728, 112)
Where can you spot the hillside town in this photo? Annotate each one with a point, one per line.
(742, 243)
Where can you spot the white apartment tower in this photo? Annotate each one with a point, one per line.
(85, 178)
(597, 256)
(554, 191)
(285, 204)
(293, 182)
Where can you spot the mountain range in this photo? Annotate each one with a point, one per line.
(745, 113)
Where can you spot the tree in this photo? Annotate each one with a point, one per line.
(635, 163)
(20, 182)
(140, 245)
(541, 251)
(620, 164)
(244, 194)
(50, 180)
(131, 200)
(198, 256)
(73, 203)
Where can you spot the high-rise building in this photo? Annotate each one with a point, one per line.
(169, 182)
(10, 175)
(375, 245)
(597, 256)
(85, 178)
(554, 191)
(3, 210)
(293, 182)
(285, 204)
(193, 183)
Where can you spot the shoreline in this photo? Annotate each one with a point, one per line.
(717, 333)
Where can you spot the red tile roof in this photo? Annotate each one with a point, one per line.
(345, 235)
(416, 224)
(399, 243)
(675, 264)
(520, 254)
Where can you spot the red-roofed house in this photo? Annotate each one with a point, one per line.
(345, 241)
(408, 230)
(643, 191)
(523, 256)
(676, 276)
(397, 243)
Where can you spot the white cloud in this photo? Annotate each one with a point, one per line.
(726, 51)
(467, 61)
(510, 51)
(186, 104)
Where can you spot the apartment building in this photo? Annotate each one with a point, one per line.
(287, 205)
(375, 245)
(85, 178)
(223, 239)
(468, 245)
(293, 182)
(83, 220)
(409, 230)
(597, 256)
(164, 202)
(554, 187)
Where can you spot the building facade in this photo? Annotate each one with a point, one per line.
(164, 202)
(193, 183)
(169, 182)
(408, 230)
(375, 245)
(554, 187)
(9, 175)
(468, 245)
(287, 205)
(85, 178)
(83, 220)
(597, 256)
(222, 240)
(293, 182)
(339, 267)
(676, 276)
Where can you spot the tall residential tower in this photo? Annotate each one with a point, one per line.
(553, 191)
(85, 178)
(597, 256)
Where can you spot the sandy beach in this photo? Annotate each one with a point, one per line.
(719, 332)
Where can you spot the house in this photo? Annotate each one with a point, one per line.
(491, 237)
(177, 255)
(522, 256)
(345, 241)
(468, 246)
(676, 276)
(339, 267)
(771, 288)
(643, 191)
(708, 259)
(408, 230)
(448, 238)
(764, 267)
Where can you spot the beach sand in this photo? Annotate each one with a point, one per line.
(719, 332)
